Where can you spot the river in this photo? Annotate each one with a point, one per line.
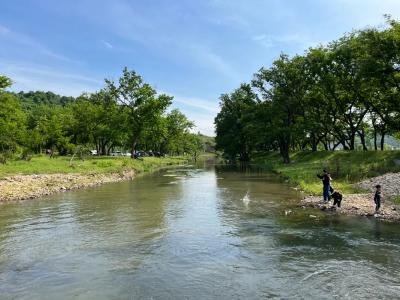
(208, 232)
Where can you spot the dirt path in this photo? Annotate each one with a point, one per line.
(21, 187)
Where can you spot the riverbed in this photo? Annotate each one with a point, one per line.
(199, 232)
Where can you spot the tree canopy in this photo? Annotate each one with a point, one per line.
(334, 96)
(127, 114)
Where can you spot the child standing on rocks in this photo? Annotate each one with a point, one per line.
(378, 197)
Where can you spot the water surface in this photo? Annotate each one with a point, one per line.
(192, 233)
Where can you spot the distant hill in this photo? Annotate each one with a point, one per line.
(39, 97)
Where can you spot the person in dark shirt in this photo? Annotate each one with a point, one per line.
(326, 182)
(337, 198)
(378, 197)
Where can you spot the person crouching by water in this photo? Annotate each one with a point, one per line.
(326, 182)
(378, 198)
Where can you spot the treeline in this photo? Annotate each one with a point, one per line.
(127, 114)
(332, 97)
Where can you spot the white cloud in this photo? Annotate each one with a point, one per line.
(269, 41)
(160, 34)
(203, 122)
(34, 46)
(207, 58)
(107, 44)
(201, 111)
(38, 77)
(201, 104)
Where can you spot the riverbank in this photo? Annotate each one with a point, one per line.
(346, 167)
(354, 175)
(363, 204)
(21, 180)
(356, 205)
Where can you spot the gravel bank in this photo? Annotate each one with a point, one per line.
(22, 187)
(357, 205)
(390, 183)
(363, 204)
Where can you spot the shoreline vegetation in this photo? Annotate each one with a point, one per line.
(325, 108)
(22, 180)
(355, 173)
(127, 117)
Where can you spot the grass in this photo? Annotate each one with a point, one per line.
(346, 167)
(396, 200)
(46, 165)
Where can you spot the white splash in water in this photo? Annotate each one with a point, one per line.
(246, 199)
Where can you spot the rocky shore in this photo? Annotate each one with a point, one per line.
(356, 205)
(22, 187)
(363, 204)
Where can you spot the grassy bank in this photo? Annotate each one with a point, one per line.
(99, 165)
(346, 167)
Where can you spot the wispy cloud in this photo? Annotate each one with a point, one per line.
(107, 44)
(207, 58)
(269, 41)
(160, 34)
(38, 77)
(8, 35)
(204, 105)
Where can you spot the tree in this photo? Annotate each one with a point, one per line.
(5, 82)
(231, 121)
(177, 126)
(140, 102)
(98, 120)
(283, 84)
(12, 121)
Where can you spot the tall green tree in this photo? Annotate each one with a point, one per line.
(231, 122)
(140, 102)
(283, 84)
(12, 120)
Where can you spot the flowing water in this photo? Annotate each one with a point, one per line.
(213, 232)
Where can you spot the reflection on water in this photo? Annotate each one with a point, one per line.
(192, 233)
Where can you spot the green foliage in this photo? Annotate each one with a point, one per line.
(139, 101)
(332, 97)
(12, 124)
(346, 167)
(124, 115)
(46, 165)
(232, 133)
(396, 200)
(5, 82)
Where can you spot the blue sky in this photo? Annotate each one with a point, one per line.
(193, 50)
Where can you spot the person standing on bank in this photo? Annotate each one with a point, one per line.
(326, 183)
(378, 198)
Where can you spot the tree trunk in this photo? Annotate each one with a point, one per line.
(284, 149)
(362, 138)
(244, 156)
(103, 148)
(383, 140)
(314, 143)
(345, 147)
(133, 148)
(352, 141)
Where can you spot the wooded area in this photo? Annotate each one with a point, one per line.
(327, 99)
(128, 114)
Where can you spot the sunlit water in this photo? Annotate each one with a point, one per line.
(208, 233)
